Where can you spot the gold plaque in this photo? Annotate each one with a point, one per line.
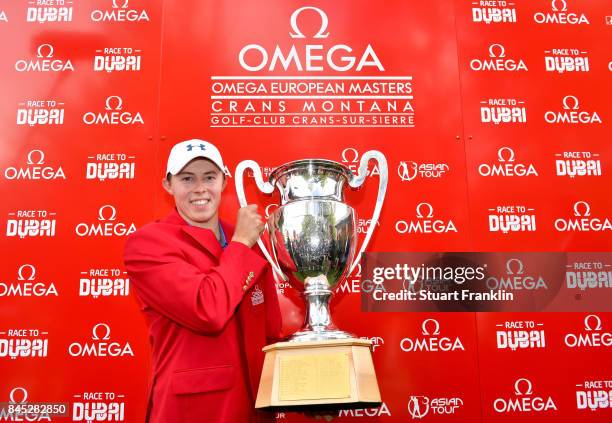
(314, 376)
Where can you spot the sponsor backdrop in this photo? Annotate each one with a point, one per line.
(493, 116)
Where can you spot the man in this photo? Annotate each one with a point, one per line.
(211, 305)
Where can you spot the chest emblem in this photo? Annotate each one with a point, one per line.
(257, 296)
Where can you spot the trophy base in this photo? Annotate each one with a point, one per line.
(319, 375)
(313, 336)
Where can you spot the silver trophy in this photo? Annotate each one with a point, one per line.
(313, 232)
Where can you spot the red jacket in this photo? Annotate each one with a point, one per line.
(210, 311)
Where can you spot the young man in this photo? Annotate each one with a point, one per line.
(209, 298)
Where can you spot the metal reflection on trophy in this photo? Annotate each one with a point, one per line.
(313, 236)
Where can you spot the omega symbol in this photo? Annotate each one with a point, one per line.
(119, 102)
(517, 384)
(94, 332)
(101, 213)
(420, 214)
(436, 327)
(40, 48)
(296, 30)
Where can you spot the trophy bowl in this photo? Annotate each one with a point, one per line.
(313, 237)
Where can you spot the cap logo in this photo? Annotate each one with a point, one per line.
(190, 147)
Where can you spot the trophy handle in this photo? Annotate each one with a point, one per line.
(266, 188)
(358, 180)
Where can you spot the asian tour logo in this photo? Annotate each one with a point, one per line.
(45, 61)
(516, 278)
(104, 283)
(27, 285)
(120, 11)
(106, 226)
(113, 114)
(588, 275)
(498, 62)
(40, 112)
(431, 340)
(117, 59)
(559, 14)
(101, 345)
(376, 341)
(110, 166)
(582, 221)
(511, 218)
(35, 169)
(493, 11)
(593, 336)
(98, 406)
(265, 172)
(302, 57)
(409, 170)
(578, 163)
(572, 114)
(419, 406)
(507, 166)
(363, 225)
(31, 223)
(524, 400)
(503, 110)
(517, 335)
(425, 222)
(564, 60)
(49, 11)
(594, 395)
(21, 343)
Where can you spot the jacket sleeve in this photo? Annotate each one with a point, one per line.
(273, 313)
(201, 301)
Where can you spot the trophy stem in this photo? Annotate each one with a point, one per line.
(318, 325)
(317, 296)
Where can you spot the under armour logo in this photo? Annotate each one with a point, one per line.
(190, 147)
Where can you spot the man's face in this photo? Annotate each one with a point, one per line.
(197, 192)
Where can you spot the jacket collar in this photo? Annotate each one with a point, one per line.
(204, 237)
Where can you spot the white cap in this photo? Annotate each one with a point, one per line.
(184, 152)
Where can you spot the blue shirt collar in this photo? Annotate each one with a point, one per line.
(222, 238)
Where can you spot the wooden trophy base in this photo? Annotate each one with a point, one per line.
(334, 374)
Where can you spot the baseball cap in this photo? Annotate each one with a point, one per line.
(185, 151)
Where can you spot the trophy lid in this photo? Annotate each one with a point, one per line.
(311, 178)
(313, 166)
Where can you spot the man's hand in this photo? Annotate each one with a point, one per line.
(249, 225)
